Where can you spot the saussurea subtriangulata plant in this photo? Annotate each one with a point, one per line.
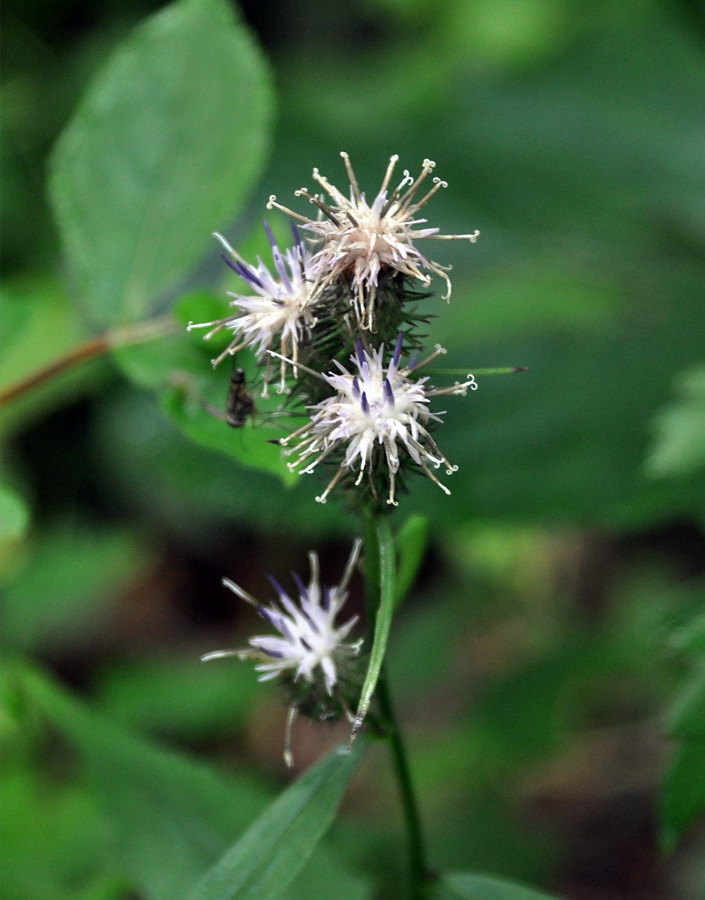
(336, 329)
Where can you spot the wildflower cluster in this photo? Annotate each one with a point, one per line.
(348, 292)
(339, 321)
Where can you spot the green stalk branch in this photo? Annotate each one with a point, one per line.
(118, 337)
(379, 566)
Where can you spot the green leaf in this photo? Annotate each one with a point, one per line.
(55, 840)
(267, 858)
(683, 799)
(411, 545)
(65, 591)
(690, 637)
(687, 715)
(680, 429)
(173, 817)
(379, 571)
(469, 886)
(192, 391)
(14, 517)
(164, 148)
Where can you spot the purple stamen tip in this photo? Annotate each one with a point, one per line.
(356, 386)
(388, 393)
(243, 272)
(365, 405)
(277, 587)
(273, 653)
(269, 616)
(297, 234)
(277, 257)
(270, 236)
(360, 352)
(300, 585)
(397, 349)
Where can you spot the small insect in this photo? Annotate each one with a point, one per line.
(239, 404)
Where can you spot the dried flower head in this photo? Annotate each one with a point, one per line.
(375, 413)
(361, 242)
(281, 310)
(310, 652)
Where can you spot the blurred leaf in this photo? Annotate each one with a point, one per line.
(172, 816)
(679, 447)
(691, 636)
(411, 546)
(468, 886)
(14, 517)
(66, 588)
(683, 797)
(269, 855)
(178, 696)
(55, 841)
(165, 146)
(686, 717)
(147, 462)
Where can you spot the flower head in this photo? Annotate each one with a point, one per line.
(376, 414)
(310, 650)
(361, 241)
(280, 310)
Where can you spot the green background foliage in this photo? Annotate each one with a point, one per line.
(548, 664)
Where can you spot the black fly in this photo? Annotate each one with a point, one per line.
(240, 404)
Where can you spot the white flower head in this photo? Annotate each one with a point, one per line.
(281, 309)
(362, 241)
(374, 415)
(309, 644)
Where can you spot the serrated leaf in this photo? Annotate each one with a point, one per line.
(270, 854)
(469, 886)
(163, 149)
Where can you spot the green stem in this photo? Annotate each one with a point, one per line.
(121, 336)
(379, 578)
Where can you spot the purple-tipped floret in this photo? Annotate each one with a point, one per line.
(397, 349)
(360, 352)
(388, 393)
(303, 591)
(356, 386)
(278, 588)
(277, 257)
(243, 272)
(365, 405)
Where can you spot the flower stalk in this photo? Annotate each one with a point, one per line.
(379, 571)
